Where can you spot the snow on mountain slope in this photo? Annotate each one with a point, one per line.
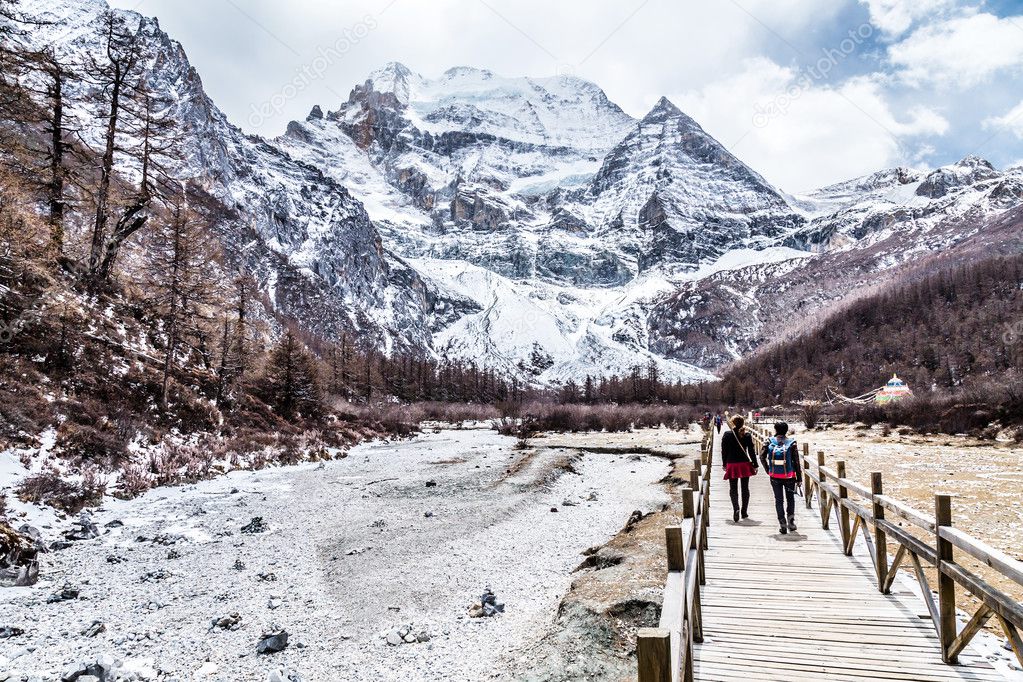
(859, 212)
(676, 195)
(529, 224)
(888, 225)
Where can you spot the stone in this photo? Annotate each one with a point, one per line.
(431, 484)
(428, 514)
(231, 621)
(393, 638)
(95, 628)
(568, 503)
(8, 631)
(74, 671)
(66, 593)
(272, 643)
(256, 525)
(423, 636)
(554, 509)
(152, 576)
(113, 524)
(83, 529)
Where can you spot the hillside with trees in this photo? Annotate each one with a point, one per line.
(129, 342)
(955, 333)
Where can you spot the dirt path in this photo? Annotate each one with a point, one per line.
(355, 548)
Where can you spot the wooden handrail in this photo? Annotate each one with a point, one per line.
(986, 554)
(665, 653)
(920, 519)
(832, 487)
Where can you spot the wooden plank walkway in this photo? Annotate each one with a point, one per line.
(794, 607)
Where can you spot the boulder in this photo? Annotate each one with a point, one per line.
(256, 525)
(272, 643)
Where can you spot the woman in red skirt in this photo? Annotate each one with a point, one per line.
(740, 463)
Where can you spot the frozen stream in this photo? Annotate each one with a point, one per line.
(354, 555)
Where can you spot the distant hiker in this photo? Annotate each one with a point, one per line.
(737, 454)
(717, 422)
(781, 462)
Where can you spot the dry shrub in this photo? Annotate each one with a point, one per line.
(456, 413)
(24, 410)
(49, 488)
(387, 418)
(810, 414)
(506, 426)
(606, 417)
(133, 482)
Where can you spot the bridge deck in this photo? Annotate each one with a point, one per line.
(794, 607)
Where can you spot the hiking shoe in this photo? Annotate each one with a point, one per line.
(783, 530)
(735, 516)
(745, 515)
(792, 524)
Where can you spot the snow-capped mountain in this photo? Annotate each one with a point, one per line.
(531, 225)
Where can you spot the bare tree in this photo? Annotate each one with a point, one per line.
(180, 276)
(117, 77)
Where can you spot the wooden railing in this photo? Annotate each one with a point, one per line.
(665, 653)
(864, 512)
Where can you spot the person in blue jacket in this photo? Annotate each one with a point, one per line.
(780, 458)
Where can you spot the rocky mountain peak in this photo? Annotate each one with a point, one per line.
(967, 171)
(973, 161)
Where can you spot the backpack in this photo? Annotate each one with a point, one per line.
(778, 462)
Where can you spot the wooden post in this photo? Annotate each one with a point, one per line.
(946, 585)
(699, 534)
(687, 503)
(706, 498)
(880, 540)
(806, 476)
(673, 540)
(653, 654)
(843, 511)
(822, 495)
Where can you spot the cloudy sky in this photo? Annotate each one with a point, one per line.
(807, 92)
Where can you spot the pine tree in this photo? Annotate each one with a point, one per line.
(292, 381)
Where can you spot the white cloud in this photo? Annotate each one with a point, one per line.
(634, 49)
(960, 52)
(803, 135)
(894, 17)
(1011, 121)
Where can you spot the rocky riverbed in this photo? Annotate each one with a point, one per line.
(360, 568)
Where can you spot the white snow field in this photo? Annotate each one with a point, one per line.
(350, 554)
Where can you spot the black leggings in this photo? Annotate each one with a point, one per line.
(733, 492)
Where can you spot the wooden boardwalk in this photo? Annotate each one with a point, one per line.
(794, 607)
